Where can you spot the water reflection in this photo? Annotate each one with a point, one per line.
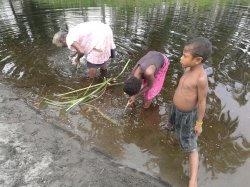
(223, 149)
(135, 137)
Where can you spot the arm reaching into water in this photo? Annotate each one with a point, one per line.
(149, 76)
(80, 51)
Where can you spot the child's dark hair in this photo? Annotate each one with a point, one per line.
(200, 47)
(132, 85)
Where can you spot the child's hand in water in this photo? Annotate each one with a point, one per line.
(131, 101)
(75, 61)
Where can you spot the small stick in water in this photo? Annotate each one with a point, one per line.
(125, 108)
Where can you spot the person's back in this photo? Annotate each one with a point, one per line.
(152, 58)
(89, 37)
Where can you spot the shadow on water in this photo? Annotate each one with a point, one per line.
(135, 137)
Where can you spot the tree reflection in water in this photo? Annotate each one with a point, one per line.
(221, 150)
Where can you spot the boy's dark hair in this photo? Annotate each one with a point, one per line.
(200, 47)
(132, 85)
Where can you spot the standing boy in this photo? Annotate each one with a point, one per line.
(149, 71)
(189, 102)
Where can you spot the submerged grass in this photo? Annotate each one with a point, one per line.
(84, 95)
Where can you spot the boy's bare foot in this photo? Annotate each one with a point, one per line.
(173, 142)
(170, 141)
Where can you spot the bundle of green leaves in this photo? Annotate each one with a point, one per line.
(86, 94)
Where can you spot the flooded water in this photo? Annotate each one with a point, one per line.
(134, 137)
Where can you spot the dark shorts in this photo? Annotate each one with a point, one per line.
(112, 53)
(90, 65)
(183, 123)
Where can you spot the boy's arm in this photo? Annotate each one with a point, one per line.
(202, 95)
(150, 79)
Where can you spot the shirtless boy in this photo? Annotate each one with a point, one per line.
(189, 102)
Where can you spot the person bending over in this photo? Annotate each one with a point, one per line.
(147, 78)
(92, 39)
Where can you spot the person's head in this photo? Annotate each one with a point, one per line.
(132, 85)
(196, 51)
(59, 39)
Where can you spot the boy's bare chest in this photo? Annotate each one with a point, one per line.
(188, 81)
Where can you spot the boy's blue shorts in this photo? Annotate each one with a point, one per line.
(184, 123)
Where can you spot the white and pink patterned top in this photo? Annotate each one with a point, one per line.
(96, 38)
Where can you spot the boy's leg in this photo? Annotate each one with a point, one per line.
(103, 70)
(91, 70)
(193, 166)
(92, 73)
(171, 116)
(147, 103)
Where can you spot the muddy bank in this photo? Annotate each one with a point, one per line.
(36, 153)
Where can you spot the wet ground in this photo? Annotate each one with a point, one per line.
(36, 153)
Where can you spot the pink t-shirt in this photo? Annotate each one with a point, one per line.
(95, 38)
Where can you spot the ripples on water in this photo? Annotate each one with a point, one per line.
(135, 137)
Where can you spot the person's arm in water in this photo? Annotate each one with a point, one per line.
(202, 95)
(80, 51)
(149, 76)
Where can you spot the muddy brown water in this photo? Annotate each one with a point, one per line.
(135, 137)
